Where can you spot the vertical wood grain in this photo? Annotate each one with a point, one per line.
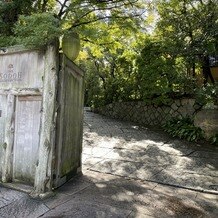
(70, 121)
(9, 140)
(26, 142)
(44, 170)
(3, 114)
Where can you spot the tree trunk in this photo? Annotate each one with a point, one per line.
(206, 69)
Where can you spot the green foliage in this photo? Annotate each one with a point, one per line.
(22, 20)
(214, 139)
(161, 76)
(189, 29)
(189, 26)
(9, 13)
(183, 128)
(37, 30)
(172, 56)
(109, 81)
(123, 62)
(207, 95)
(6, 41)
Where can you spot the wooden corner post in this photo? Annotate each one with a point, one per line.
(9, 140)
(43, 176)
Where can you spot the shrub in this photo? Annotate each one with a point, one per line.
(183, 128)
(207, 95)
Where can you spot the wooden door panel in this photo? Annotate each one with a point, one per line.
(3, 114)
(26, 144)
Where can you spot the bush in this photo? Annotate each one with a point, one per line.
(162, 76)
(207, 95)
(184, 129)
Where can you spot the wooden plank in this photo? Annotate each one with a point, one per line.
(73, 67)
(22, 70)
(20, 92)
(72, 121)
(9, 140)
(69, 122)
(15, 49)
(26, 143)
(60, 125)
(3, 114)
(44, 170)
(30, 98)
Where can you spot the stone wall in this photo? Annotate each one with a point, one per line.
(151, 115)
(207, 120)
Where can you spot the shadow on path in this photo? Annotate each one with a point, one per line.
(128, 171)
(124, 149)
(100, 195)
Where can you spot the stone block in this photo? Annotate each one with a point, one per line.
(174, 107)
(207, 120)
(188, 101)
(178, 103)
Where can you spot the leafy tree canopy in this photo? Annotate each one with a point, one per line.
(77, 15)
(189, 27)
(178, 51)
(131, 49)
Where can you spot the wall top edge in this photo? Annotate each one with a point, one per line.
(16, 49)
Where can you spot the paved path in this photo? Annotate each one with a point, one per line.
(129, 172)
(126, 150)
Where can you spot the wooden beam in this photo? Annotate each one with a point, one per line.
(9, 140)
(44, 173)
(20, 92)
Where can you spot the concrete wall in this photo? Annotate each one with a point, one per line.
(207, 120)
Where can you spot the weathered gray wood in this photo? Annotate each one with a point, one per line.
(43, 178)
(69, 129)
(26, 142)
(9, 140)
(24, 75)
(60, 124)
(14, 49)
(78, 76)
(21, 70)
(19, 92)
(3, 113)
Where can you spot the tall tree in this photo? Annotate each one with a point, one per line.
(190, 28)
(72, 13)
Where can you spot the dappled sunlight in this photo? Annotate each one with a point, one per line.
(128, 197)
(143, 198)
(124, 196)
(123, 149)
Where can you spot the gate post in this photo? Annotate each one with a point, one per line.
(9, 140)
(44, 172)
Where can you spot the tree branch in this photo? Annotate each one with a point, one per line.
(63, 5)
(44, 5)
(103, 18)
(94, 42)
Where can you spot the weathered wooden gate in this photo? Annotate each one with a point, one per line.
(70, 121)
(41, 113)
